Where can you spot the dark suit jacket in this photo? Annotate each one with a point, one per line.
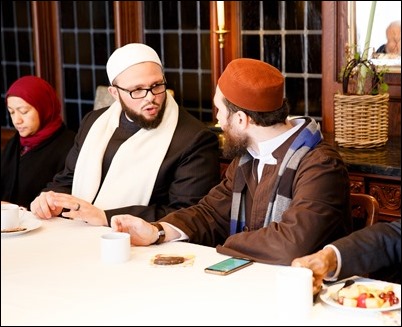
(23, 178)
(189, 170)
(375, 249)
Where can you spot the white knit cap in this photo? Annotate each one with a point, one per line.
(128, 55)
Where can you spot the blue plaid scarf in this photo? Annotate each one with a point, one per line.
(307, 139)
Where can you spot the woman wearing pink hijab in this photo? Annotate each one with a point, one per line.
(38, 150)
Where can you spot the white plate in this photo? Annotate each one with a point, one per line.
(326, 293)
(29, 221)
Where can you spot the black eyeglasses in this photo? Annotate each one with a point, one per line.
(142, 93)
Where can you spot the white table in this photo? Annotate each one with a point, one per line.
(54, 276)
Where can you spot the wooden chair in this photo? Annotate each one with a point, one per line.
(365, 210)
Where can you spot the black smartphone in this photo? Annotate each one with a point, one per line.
(228, 266)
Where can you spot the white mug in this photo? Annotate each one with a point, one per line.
(10, 216)
(115, 247)
(294, 294)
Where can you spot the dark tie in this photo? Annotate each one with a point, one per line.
(255, 169)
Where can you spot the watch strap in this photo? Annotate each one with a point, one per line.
(161, 233)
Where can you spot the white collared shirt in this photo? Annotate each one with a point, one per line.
(267, 147)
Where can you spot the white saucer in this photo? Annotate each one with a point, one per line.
(29, 222)
(327, 293)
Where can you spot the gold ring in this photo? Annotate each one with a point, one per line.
(78, 207)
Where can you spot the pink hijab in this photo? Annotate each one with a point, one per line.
(41, 95)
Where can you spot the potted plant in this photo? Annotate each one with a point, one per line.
(360, 76)
(361, 109)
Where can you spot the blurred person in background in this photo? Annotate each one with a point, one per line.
(286, 192)
(39, 148)
(143, 155)
(393, 45)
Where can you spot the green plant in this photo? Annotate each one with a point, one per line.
(360, 76)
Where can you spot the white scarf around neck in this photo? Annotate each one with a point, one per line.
(132, 173)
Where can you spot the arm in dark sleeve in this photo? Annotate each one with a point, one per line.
(370, 249)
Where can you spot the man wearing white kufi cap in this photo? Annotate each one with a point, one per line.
(128, 55)
(143, 155)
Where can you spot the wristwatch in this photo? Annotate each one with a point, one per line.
(161, 233)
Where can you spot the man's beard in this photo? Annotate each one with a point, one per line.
(140, 120)
(234, 145)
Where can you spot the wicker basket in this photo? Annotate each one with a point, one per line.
(361, 121)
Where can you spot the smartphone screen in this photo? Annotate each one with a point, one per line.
(228, 266)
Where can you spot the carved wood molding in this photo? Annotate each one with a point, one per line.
(356, 186)
(388, 197)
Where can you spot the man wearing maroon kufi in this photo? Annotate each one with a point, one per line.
(286, 191)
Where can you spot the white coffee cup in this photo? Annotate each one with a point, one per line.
(115, 247)
(294, 294)
(10, 216)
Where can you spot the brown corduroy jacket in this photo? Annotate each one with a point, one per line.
(318, 213)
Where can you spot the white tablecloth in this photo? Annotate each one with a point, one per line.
(53, 275)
